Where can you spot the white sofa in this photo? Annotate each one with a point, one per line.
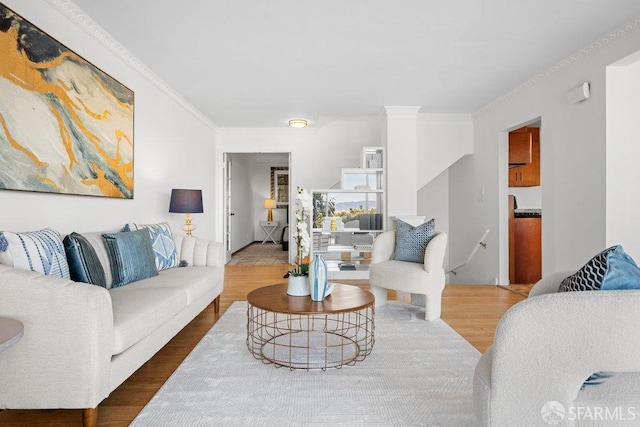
(546, 346)
(425, 281)
(81, 341)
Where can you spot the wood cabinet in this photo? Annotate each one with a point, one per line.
(529, 174)
(520, 148)
(527, 234)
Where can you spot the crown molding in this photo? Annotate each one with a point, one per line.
(78, 17)
(579, 56)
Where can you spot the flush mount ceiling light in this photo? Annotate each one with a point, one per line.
(298, 123)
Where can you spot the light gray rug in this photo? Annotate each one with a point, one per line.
(419, 373)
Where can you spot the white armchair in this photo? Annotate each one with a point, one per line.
(425, 281)
(546, 347)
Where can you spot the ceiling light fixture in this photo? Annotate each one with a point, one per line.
(298, 123)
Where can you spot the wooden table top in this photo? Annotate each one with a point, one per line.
(10, 332)
(344, 298)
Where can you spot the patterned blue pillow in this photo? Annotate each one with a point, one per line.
(591, 275)
(164, 248)
(411, 242)
(130, 255)
(84, 264)
(40, 251)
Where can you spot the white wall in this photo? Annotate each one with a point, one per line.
(433, 202)
(623, 152)
(573, 166)
(173, 149)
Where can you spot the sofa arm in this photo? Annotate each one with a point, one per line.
(550, 283)
(201, 252)
(546, 347)
(383, 247)
(63, 358)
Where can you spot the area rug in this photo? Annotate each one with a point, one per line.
(419, 373)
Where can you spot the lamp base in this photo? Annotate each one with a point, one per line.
(270, 215)
(188, 227)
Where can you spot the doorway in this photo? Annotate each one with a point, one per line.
(524, 205)
(247, 187)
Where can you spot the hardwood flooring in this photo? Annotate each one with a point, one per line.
(473, 311)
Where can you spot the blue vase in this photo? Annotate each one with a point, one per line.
(319, 281)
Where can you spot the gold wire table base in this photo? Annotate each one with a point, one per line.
(312, 339)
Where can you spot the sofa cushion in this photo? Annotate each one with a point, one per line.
(411, 242)
(409, 277)
(41, 251)
(137, 312)
(84, 264)
(195, 281)
(130, 255)
(164, 248)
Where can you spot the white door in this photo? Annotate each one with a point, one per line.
(228, 223)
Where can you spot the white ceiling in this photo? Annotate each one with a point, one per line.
(259, 63)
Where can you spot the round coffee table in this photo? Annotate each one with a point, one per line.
(300, 333)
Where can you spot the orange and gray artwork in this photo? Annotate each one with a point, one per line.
(65, 126)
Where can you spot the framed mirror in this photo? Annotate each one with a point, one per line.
(280, 186)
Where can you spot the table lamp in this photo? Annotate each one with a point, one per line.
(269, 204)
(186, 202)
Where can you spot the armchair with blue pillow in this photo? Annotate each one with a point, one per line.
(573, 344)
(410, 259)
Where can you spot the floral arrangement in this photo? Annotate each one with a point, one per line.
(303, 211)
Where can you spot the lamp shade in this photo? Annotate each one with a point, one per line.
(269, 203)
(186, 201)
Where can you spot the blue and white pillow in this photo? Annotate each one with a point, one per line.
(40, 251)
(611, 269)
(164, 248)
(411, 242)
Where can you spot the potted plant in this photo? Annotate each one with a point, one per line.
(298, 277)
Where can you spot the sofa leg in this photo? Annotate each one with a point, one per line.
(216, 304)
(90, 417)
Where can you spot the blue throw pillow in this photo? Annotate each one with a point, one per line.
(622, 272)
(590, 276)
(131, 256)
(611, 269)
(164, 248)
(411, 242)
(84, 264)
(40, 251)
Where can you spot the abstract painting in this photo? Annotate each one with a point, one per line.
(65, 126)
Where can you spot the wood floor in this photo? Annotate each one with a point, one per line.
(473, 311)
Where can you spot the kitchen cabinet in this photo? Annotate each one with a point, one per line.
(527, 175)
(527, 259)
(520, 148)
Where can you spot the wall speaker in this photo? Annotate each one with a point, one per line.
(578, 94)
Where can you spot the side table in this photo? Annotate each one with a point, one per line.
(269, 227)
(11, 331)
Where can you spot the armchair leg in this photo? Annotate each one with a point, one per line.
(433, 306)
(380, 295)
(90, 417)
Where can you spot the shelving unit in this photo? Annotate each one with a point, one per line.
(346, 243)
